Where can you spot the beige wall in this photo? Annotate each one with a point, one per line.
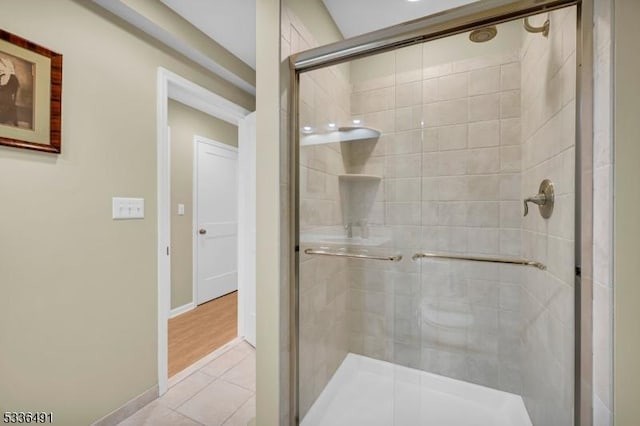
(185, 123)
(627, 204)
(270, 362)
(79, 290)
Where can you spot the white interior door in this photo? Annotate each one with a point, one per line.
(217, 219)
(247, 236)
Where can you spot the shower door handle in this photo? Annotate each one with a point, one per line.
(472, 258)
(320, 252)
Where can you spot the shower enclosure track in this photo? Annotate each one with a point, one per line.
(504, 260)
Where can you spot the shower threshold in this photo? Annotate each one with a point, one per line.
(369, 392)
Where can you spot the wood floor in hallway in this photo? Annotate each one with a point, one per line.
(201, 331)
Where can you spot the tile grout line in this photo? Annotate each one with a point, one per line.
(187, 416)
(218, 378)
(240, 386)
(238, 409)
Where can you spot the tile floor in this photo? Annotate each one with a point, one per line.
(221, 392)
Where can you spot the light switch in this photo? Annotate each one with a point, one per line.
(127, 208)
(180, 209)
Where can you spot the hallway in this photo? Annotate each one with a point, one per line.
(197, 333)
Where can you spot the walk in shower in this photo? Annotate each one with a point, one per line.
(435, 204)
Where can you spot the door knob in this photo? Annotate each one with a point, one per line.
(544, 199)
(202, 231)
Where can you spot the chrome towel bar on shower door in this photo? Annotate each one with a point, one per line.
(393, 258)
(511, 261)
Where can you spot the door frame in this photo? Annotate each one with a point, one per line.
(194, 240)
(173, 86)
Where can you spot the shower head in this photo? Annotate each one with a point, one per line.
(483, 34)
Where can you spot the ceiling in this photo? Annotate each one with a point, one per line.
(232, 23)
(355, 17)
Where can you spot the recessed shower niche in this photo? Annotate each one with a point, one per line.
(358, 193)
(359, 187)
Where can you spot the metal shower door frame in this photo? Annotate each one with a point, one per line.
(440, 25)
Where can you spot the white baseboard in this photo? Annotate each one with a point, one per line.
(181, 309)
(130, 407)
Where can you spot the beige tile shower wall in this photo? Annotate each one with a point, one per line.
(323, 330)
(548, 151)
(323, 324)
(324, 99)
(450, 156)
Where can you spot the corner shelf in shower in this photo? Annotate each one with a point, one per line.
(343, 134)
(353, 177)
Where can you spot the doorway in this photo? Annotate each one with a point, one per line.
(221, 293)
(204, 224)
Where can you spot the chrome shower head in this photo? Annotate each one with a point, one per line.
(483, 34)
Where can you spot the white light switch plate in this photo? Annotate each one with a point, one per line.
(127, 208)
(180, 209)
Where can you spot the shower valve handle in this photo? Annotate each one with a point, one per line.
(539, 199)
(544, 199)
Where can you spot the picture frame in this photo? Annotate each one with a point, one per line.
(30, 95)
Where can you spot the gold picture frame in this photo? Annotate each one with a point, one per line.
(30, 95)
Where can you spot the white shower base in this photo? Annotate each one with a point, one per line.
(368, 392)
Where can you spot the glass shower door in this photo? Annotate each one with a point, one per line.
(425, 296)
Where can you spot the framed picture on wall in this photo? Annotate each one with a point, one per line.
(30, 95)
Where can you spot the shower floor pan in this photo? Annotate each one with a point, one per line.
(369, 392)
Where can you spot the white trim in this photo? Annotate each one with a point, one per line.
(246, 228)
(181, 309)
(194, 186)
(194, 225)
(194, 96)
(164, 232)
(214, 143)
(241, 234)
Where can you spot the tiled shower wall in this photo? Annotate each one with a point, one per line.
(449, 156)
(324, 99)
(548, 151)
(323, 281)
